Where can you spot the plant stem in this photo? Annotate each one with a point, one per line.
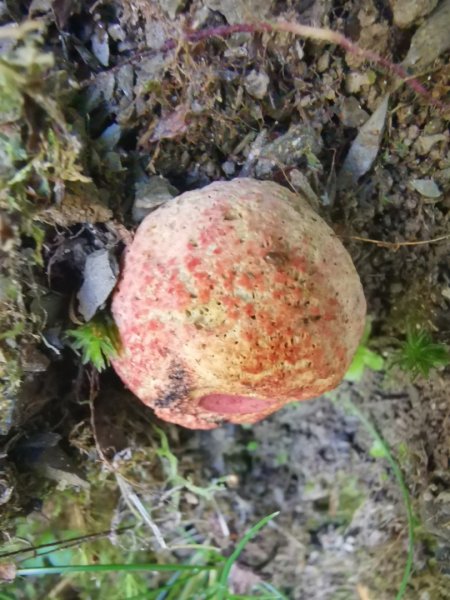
(64, 569)
(314, 33)
(403, 488)
(223, 580)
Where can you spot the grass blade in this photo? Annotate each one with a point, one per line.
(404, 491)
(223, 580)
(65, 569)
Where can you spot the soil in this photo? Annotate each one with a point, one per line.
(125, 106)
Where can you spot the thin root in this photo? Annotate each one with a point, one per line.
(397, 245)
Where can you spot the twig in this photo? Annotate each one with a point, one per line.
(62, 544)
(363, 592)
(136, 506)
(334, 37)
(93, 393)
(60, 588)
(396, 245)
(131, 499)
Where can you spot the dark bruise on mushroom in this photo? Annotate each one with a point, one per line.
(178, 388)
(234, 300)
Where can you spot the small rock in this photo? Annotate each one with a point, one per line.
(396, 288)
(413, 132)
(301, 184)
(435, 125)
(426, 187)
(407, 12)
(100, 46)
(33, 360)
(155, 36)
(324, 62)
(365, 147)
(109, 137)
(424, 143)
(150, 195)
(256, 84)
(199, 17)
(229, 168)
(298, 142)
(116, 32)
(299, 50)
(39, 7)
(172, 7)
(240, 11)
(351, 113)
(430, 40)
(356, 80)
(444, 175)
(211, 169)
(100, 276)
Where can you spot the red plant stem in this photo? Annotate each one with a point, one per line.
(320, 34)
(306, 31)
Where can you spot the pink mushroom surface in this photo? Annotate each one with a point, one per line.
(234, 300)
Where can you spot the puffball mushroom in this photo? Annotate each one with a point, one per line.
(234, 300)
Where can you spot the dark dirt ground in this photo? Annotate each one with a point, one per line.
(115, 108)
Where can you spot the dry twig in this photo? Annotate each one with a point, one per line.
(397, 245)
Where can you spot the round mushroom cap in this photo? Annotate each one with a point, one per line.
(234, 300)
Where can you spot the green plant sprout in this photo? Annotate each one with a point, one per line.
(177, 480)
(98, 341)
(418, 354)
(364, 358)
(205, 577)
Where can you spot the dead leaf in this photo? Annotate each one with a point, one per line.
(77, 208)
(365, 147)
(171, 125)
(151, 194)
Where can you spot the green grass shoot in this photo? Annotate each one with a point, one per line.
(205, 577)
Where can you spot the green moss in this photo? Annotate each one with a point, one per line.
(418, 354)
(38, 155)
(98, 341)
